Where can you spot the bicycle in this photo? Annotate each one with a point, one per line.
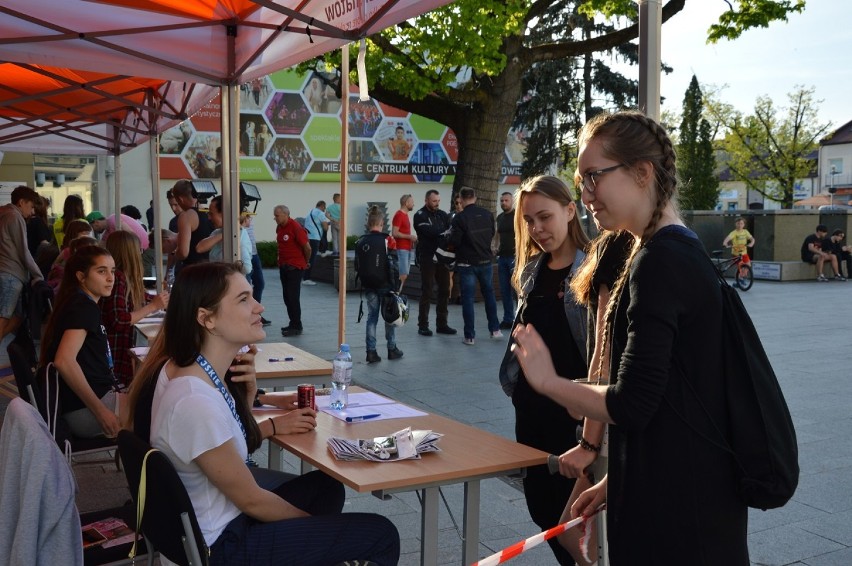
(743, 277)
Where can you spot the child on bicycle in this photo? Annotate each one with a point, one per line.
(739, 239)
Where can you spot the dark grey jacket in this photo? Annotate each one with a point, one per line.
(574, 311)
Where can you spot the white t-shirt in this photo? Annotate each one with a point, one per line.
(190, 417)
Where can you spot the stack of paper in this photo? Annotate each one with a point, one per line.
(405, 444)
(366, 407)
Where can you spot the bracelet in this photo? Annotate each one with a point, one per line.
(274, 432)
(586, 445)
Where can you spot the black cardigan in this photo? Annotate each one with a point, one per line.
(671, 494)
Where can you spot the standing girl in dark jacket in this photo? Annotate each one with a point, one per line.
(550, 245)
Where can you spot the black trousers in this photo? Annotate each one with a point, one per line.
(291, 288)
(430, 273)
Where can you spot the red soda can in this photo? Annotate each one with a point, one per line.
(307, 396)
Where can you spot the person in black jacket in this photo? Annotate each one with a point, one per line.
(429, 223)
(665, 338)
(471, 233)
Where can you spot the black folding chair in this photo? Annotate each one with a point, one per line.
(168, 519)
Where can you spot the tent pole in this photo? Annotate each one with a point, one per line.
(153, 144)
(650, 22)
(116, 151)
(117, 175)
(344, 200)
(230, 173)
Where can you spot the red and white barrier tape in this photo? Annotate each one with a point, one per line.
(519, 548)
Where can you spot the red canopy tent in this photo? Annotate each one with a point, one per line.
(190, 47)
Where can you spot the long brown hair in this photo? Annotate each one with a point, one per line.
(79, 262)
(629, 138)
(526, 249)
(180, 339)
(72, 209)
(581, 284)
(125, 249)
(73, 229)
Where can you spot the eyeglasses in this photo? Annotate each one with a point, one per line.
(589, 180)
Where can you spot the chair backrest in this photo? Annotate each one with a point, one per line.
(23, 366)
(168, 519)
(49, 405)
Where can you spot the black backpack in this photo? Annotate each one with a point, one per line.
(761, 437)
(372, 264)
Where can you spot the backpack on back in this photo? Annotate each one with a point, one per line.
(371, 261)
(761, 437)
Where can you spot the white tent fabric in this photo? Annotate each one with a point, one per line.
(190, 39)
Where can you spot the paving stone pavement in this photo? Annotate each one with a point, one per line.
(804, 326)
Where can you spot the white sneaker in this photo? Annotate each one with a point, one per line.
(308, 282)
(468, 341)
(496, 335)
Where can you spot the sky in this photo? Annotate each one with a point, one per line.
(812, 49)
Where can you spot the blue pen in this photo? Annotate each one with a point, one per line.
(361, 418)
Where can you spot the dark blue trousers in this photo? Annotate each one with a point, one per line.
(327, 537)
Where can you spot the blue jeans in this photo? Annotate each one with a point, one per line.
(374, 305)
(505, 267)
(468, 276)
(256, 278)
(314, 249)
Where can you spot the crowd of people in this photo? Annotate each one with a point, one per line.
(604, 353)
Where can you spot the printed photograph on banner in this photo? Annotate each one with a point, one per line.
(429, 163)
(288, 159)
(202, 155)
(516, 145)
(255, 93)
(319, 94)
(395, 140)
(255, 136)
(364, 118)
(361, 155)
(288, 113)
(173, 140)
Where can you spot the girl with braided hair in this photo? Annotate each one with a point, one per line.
(670, 494)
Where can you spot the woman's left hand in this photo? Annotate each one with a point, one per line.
(243, 371)
(296, 422)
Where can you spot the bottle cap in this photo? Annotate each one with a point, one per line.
(344, 347)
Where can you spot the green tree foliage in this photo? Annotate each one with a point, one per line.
(768, 150)
(560, 95)
(462, 65)
(696, 161)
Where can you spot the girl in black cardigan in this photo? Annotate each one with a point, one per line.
(670, 494)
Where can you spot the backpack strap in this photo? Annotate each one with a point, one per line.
(140, 501)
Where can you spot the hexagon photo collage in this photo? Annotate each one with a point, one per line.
(290, 129)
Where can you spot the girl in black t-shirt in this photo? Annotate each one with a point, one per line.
(76, 343)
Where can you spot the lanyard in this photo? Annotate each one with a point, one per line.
(214, 377)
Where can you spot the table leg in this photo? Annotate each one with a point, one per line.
(274, 458)
(429, 527)
(470, 550)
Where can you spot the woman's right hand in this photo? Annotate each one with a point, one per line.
(109, 422)
(534, 357)
(296, 422)
(161, 301)
(575, 462)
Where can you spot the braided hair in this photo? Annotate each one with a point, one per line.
(630, 137)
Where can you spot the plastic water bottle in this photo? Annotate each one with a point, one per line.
(341, 377)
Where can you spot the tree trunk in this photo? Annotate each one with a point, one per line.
(482, 137)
